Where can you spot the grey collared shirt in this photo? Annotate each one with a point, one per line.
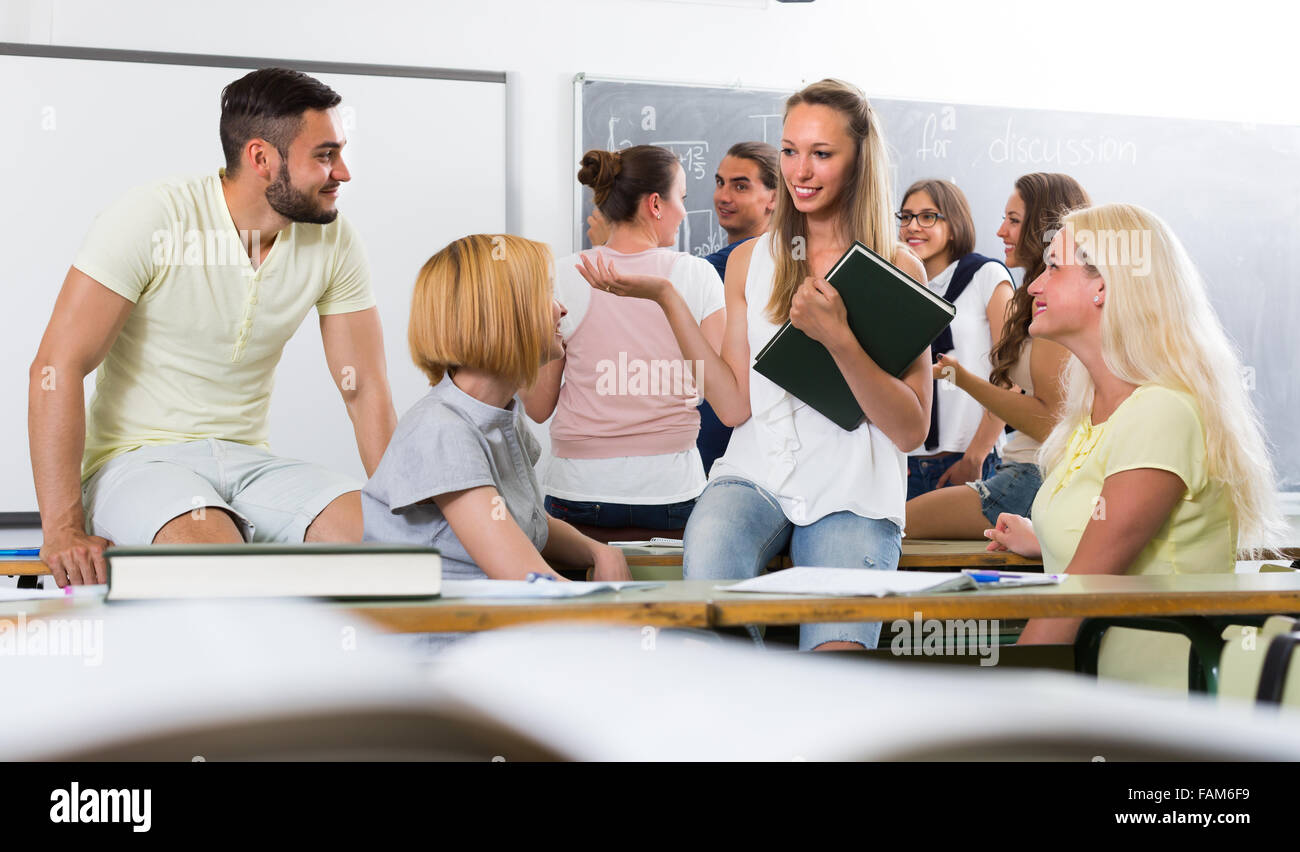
(450, 441)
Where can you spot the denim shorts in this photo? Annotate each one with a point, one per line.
(270, 498)
(1011, 488)
(924, 472)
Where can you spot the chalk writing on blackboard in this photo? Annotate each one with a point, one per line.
(1012, 147)
(611, 145)
(714, 238)
(767, 120)
(691, 155)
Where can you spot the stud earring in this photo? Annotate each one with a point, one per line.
(1096, 300)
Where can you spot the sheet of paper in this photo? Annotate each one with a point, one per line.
(538, 589)
(848, 582)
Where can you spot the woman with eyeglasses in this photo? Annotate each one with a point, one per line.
(1024, 386)
(935, 223)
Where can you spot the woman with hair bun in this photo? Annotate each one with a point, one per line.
(790, 476)
(1158, 464)
(623, 437)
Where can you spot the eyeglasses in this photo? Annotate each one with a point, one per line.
(925, 220)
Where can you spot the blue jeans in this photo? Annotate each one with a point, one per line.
(923, 474)
(738, 527)
(665, 516)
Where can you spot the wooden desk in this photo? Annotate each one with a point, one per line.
(677, 604)
(917, 553)
(1082, 596)
(698, 603)
(923, 554)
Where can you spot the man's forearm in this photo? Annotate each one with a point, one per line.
(373, 421)
(56, 429)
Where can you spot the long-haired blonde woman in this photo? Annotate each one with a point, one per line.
(458, 472)
(790, 475)
(1159, 464)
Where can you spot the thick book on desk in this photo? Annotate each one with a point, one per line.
(273, 570)
(894, 318)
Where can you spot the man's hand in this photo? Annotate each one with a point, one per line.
(75, 558)
(965, 469)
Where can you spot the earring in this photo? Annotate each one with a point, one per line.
(658, 215)
(1096, 300)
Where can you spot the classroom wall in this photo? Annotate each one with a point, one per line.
(1010, 52)
(1111, 56)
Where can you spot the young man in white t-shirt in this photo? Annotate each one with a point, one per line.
(183, 296)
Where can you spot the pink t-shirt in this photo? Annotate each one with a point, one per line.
(627, 389)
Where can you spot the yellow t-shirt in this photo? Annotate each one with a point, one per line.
(1156, 427)
(196, 358)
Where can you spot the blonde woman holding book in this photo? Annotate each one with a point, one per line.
(1158, 464)
(790, 476)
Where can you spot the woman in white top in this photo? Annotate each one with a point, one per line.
(935, 222)
(1023, 386)
(790, 475)
(626, 419)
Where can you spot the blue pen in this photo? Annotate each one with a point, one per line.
(983, 578)
(533, 577)
(33, 552)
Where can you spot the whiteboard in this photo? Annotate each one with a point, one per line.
(427, 153)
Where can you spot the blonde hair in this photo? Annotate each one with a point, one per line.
(866, 203)
(484, 302)
(1157, 327)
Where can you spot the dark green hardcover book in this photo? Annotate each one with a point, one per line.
(894, 317)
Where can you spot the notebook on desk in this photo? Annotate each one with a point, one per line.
(856, 582)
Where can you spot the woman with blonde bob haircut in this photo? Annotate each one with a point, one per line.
(458, 472)
(790, 476)
(1159, 463)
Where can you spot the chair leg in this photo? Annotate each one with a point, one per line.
(1272, 679)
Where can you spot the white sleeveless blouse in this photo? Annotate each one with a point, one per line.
(814, 467)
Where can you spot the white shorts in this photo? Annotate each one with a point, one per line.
(272, 499)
